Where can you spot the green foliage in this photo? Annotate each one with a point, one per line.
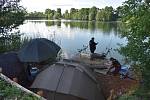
(58, 15)
(118, 12)
(109, 13)
(73, 13)
(106, 14)
(12, 43)
(136, 16)
(11, 15)
(9, 92)
(100, 16)
(36, 15)
(49, 13)
(92, 13)
(128, 97)
(83, 14)
(66, 15)
(139, 94)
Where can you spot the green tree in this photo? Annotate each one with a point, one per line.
(11, 16)
(35, 15)
(100, 16)
(109, 13)
(66, 15)
(106, 14)
(92, 13)
(118, 12)
(73, 13)
(83, 14)
(49, 13)
(58, 15)
(136, 17)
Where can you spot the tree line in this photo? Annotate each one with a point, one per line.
(94, 13)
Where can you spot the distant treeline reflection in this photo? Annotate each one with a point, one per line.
(105, 27)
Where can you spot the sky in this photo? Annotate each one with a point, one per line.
(41, 5)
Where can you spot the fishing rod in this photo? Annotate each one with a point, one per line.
(108, 51)
(83, 49)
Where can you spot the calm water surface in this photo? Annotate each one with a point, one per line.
(72, 35)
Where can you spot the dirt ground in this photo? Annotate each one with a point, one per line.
(114, 86)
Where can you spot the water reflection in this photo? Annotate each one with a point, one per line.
(49, 23)
(105, 27)
(52, 23)
(72, 35)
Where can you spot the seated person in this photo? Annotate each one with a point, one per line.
(31, 73)
(115, 67)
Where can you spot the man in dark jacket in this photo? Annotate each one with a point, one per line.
(92, 45)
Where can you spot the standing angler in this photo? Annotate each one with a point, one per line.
(92, 45)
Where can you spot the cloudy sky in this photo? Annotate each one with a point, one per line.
(41, 5)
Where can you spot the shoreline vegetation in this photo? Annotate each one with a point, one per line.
(12, 90)
(86, 14)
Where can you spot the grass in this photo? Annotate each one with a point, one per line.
(10, 92)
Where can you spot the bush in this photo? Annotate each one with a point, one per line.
(9, 92)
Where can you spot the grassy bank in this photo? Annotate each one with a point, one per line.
(10, 92)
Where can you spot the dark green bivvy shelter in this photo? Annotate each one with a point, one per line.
(68, 81)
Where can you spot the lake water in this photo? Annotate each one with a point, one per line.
(72, 35)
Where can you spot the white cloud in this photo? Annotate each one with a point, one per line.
(41, 5)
